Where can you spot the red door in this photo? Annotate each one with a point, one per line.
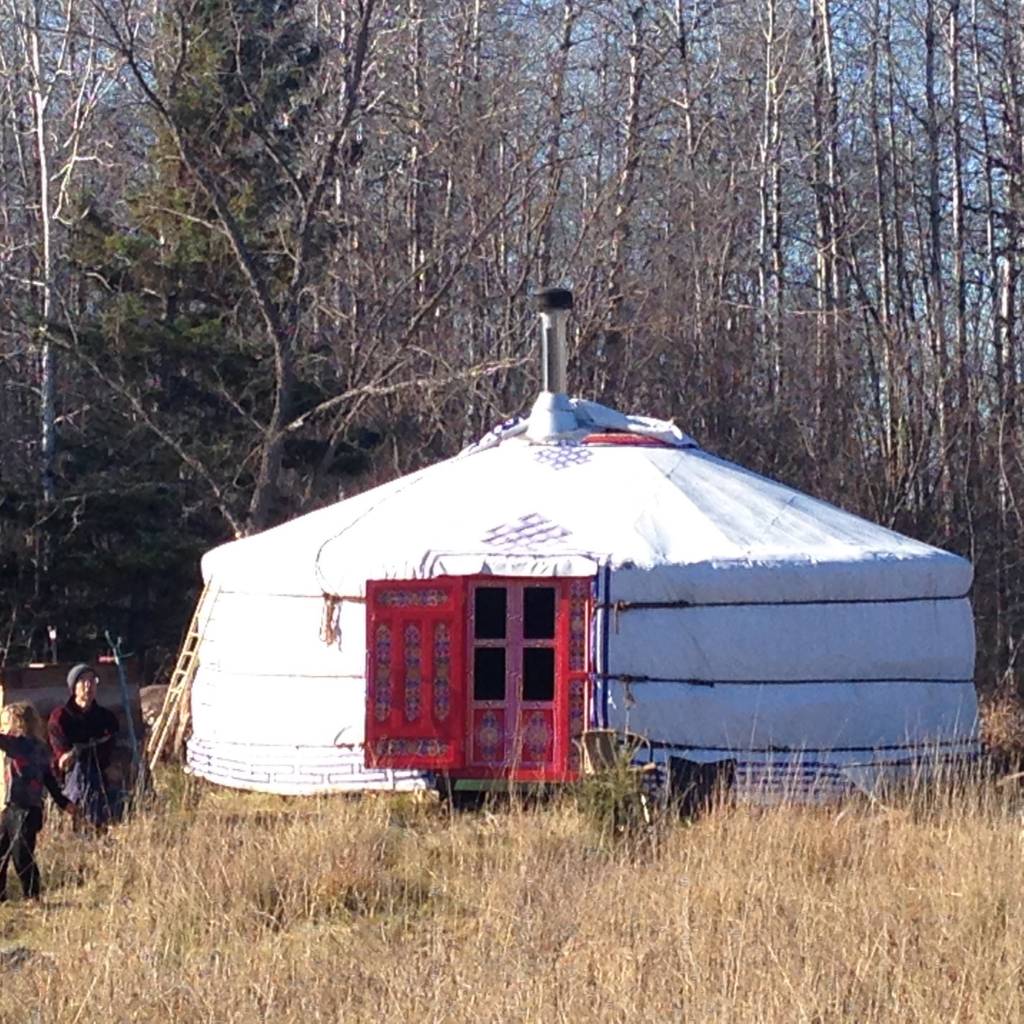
(526, 668)
(483, 677)
(415, 704)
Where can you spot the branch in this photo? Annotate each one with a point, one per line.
(383, 390)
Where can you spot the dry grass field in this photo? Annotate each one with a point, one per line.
(220, 907)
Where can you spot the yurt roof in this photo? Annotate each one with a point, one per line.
(674, 522)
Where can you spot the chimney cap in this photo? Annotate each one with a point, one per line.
(548, 300)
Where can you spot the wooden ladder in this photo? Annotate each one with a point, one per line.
(176, 715)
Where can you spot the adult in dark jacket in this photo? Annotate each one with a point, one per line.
(27, 773)
(82, 737)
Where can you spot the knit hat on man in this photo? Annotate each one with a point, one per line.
(77, 672)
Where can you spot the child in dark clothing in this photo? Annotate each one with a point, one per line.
(27, 772)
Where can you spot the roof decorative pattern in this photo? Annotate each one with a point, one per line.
(562, 456)
(525, 533)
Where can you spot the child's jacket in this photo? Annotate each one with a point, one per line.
(27, 771)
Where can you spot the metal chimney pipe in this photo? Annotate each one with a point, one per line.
(554, 305)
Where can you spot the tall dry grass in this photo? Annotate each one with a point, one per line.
(229, 908)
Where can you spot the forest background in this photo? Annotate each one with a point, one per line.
(257, 255)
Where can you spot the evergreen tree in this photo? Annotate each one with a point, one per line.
(173, 377)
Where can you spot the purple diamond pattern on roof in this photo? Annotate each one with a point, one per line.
(563, 456)
(526, 532)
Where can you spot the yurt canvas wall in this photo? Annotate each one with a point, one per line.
(275, 708)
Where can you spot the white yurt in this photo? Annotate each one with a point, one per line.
(575, 570)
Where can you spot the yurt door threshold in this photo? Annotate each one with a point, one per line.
(482, 677)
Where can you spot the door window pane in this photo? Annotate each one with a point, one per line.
(490, 605)
(488, 673)
(538, 673)
(538, 613)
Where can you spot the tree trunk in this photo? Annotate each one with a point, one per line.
(615, 335)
